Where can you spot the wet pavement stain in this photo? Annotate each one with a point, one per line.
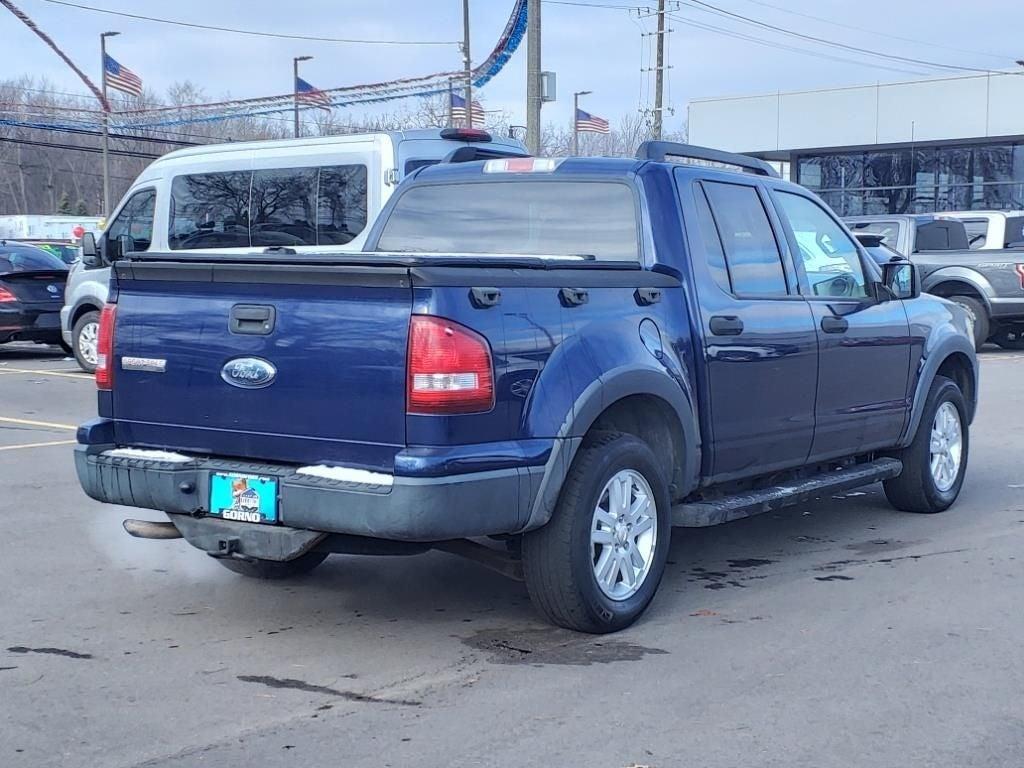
(834, 577)
(881, 545)
(751, 562)
(301, 685)
(50, 651)
(554, 646)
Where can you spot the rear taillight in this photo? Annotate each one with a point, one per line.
(1020, 274)
(6, 295)
(105, 348)
(450, 368)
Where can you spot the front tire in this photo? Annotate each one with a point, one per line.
(935, 463)
(274, 570)
(596, 565)
(84, 338)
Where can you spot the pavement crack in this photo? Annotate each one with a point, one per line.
(300, 685)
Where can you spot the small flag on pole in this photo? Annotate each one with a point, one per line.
(121, 78)
(459, 111)
(592, 123)
(314, 97)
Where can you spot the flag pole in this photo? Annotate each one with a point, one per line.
(106, 122)
(451, 92)
(468, 63)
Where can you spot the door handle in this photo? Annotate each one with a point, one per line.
(252, 319)
(833, 324)
(726, 325)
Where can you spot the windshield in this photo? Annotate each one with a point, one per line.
(27, 258)
(551, 218)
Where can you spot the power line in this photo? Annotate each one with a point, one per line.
(252, 32)
(790, 48)
(74, 148)
(700, 5)
(929, 43)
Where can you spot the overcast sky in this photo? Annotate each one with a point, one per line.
(590, 48)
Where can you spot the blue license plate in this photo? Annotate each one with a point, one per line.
(246, 498)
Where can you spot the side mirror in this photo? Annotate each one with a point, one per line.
(902, 279)
(91, 257)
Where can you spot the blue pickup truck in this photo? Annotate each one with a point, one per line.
(543, 363)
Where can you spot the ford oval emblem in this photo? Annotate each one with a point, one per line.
(248, 373)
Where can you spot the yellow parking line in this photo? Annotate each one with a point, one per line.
(30, 423)
(85, 376)
(36, 445)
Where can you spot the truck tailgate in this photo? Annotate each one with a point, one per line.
(196, 342)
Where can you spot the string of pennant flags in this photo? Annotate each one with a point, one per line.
(307, 95)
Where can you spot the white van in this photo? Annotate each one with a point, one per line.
(309, 195)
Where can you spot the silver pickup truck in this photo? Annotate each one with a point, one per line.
(988, 284)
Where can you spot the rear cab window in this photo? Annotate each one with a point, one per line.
(591, 219)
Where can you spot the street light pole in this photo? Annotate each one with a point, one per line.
(295, 89)
(575, 120)
(467, 63)
(106, 121)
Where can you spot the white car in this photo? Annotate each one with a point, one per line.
(991, 230)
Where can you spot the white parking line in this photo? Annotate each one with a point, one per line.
(32, 423)
(62, 374)
(36, 445)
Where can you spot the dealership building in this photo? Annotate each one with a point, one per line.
(946, 144)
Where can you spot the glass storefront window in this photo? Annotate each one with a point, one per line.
(919, 180)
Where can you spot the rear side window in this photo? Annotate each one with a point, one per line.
(755, 264)
(210, 210)
(341, 206)
(284, 207)
(713, 251)
(549, 218)
(977, 232)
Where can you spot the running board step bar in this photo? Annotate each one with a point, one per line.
(699, 514)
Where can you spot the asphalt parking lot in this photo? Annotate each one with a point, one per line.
(840, 634)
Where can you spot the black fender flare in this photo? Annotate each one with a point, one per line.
(589, 405)
(947, 344)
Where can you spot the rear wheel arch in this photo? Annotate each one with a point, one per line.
(83, 306)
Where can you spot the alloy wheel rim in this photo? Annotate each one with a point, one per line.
(624, 535)
(946, 446)
(87, 342)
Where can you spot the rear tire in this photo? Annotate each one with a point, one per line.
(1010, 338)
(928, 484)
(592, 532)
(84, 335)
(979, 317)
(274, 570)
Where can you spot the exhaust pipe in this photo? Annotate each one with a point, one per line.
(144, 529)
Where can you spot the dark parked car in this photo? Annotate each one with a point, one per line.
(67, 252)
(566, 356)
(31, 294)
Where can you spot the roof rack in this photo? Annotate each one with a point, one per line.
(667, 151)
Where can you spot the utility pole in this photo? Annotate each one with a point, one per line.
(659, 71)
(533, 94)
(106, 122)
(295, 90)
(467, 63)
(575, 120)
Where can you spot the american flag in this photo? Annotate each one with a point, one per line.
(592, 123)
(314, 97)
(459, 111)
(120, 77)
